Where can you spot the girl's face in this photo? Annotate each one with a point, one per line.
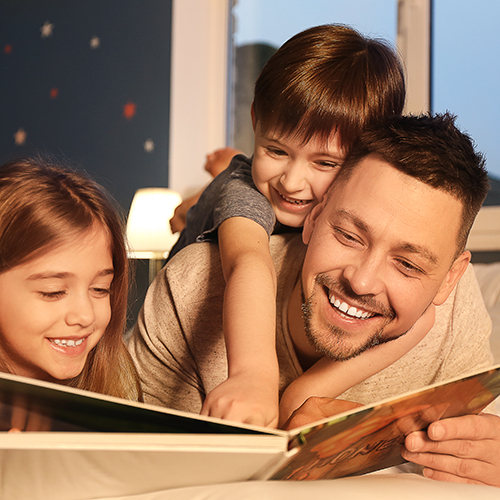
(55, 308)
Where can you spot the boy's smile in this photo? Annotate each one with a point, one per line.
(292, 175)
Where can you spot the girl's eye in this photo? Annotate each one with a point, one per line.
(101, 292)
(52, 295)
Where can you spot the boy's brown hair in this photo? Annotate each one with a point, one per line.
(329, 78)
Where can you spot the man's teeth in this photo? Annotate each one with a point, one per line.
(350, 311)
(67, 343)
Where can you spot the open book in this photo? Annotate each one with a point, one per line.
(122, 447)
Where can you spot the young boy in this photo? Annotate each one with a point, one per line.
(312, 99)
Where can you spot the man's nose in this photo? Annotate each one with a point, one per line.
(365, 275)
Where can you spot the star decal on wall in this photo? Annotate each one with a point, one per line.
(149, 146)
(95, 42)
(47, 29)
(129, 110)
(20, 137)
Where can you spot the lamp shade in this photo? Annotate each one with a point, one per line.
(148, 224)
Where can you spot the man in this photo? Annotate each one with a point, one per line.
(386, 245)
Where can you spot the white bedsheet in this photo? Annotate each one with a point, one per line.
(372, 487)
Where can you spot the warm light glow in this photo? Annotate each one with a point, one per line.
(148, 225)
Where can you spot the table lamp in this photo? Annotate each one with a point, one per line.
(148, 226)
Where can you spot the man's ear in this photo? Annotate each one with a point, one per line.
(310, 222)
(454, 274)
(252, 114)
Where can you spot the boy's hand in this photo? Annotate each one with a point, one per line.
(462, 449)
(249, 399)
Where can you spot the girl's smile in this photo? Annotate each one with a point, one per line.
(55, 308)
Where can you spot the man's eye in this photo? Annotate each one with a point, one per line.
(345, 237)
(409, 269)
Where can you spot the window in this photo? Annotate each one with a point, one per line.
(261, 26)
(465, 73)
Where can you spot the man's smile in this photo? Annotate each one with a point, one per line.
(349, 310)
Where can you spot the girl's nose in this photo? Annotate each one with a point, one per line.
(81, 311)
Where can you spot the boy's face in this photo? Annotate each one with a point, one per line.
(379, 253)
(293, 176)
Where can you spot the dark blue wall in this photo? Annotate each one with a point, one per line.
(83, 119)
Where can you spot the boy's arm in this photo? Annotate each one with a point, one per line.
(327, 378)
(250, 394)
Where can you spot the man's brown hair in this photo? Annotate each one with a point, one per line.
(433, 150)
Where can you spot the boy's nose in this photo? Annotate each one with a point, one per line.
(293, 179)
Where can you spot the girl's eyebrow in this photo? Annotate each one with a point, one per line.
(62, 275)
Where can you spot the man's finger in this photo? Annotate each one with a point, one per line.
(473, 427)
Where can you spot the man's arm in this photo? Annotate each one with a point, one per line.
(178, 345)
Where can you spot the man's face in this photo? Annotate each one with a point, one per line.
(379, 253)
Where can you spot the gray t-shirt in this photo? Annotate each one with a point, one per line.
(231, 194)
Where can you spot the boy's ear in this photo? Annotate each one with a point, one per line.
(252, 114)
(450, 281)
(310, 222)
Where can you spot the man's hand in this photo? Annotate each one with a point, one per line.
(317, 408)
(246, 399)
(462, 449)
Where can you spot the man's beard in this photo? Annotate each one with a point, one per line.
(334, 343)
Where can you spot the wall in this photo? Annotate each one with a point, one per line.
(89, 81)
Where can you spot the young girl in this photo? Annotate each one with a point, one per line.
(312, 99)
(63, 281)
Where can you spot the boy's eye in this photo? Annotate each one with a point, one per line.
(328, 165)
(276, 151)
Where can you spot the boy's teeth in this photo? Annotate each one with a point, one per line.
(67, 343)
(349, 311)
(296, 202)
